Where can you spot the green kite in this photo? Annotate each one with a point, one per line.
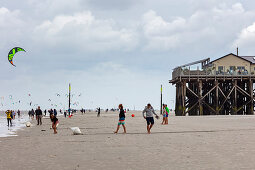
(13, 52)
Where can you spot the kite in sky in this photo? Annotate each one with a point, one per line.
(13, 52)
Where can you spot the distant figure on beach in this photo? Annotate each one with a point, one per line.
(55, 112)
(164, 115)
(98, 112)
(29, 113)
(55, 122)
(45, 111)
(9, 118)
(65, 113)
(38, 112)
(167, 114)
(50, 111)
(121, 119)
(13, 115)
(149, 116)
(18, 113)
(32, 114)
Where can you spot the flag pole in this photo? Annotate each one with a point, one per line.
(69, 102)
(161, 101)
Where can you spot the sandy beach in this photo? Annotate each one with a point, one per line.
(212, 142)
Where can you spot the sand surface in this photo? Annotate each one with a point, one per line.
(212, 142)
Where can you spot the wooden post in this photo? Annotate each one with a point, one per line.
(251, 94)
(235, 98)
(161, 100)
(200, 96)
(183, 98)
(217, 97)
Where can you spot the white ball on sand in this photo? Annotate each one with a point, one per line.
(76, 131)
(28, 124)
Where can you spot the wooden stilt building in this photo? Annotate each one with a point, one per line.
(220, 87)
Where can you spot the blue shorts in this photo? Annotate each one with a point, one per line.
(164, 115)
(150, 120)
(121, 121)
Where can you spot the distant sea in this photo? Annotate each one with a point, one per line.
(17, 123)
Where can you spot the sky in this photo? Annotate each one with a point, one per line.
(112, 51)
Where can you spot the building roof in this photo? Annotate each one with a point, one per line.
(193, 63)
(246, 58)
(249, 58)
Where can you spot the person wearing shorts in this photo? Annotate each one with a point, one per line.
(55, 123)
(167, 113)
(149, 116)
(164, 115)
(121, 119)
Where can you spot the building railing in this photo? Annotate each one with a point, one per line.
(179, 72)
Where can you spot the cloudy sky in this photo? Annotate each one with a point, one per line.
(113, 51)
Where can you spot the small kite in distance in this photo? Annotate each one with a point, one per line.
(13, 52)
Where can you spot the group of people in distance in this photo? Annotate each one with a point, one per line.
(165, 114)
(53, 117)
(148, 113)
(11, 115)
(31, 113)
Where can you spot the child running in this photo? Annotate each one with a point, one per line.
(121, 119)
(54, 123)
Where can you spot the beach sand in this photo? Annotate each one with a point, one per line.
(209, 142)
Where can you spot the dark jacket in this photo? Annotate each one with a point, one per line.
(38, 112)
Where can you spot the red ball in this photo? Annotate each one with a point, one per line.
(70, 116)
(133, 115)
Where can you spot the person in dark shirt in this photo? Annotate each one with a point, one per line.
(121, 119)
(55, 112)
(98, 112)
(50, 111)
(38, 113)
(18, 113)
(55, 122)
(32, 114)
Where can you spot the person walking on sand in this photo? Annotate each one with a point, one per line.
(121, 119)
(18, 113)
(9, 118)
(98, 112)
(164, 115)
(55, 122)
(38, 113)
(13, 114)
(149, 116)
(33, 114)
(167, 114)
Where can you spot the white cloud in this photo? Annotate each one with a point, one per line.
(203, 26)
(246, 38)
(84, 30)
(11, 26)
